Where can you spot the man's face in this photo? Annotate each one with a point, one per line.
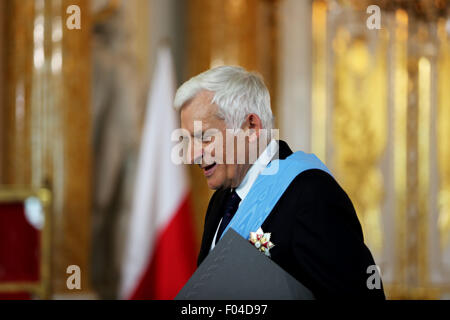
(201, 109)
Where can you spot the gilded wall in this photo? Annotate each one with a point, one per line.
(373, 104)
(380, 121)
(46, 124)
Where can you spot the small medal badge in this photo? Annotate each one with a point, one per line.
(261, 241)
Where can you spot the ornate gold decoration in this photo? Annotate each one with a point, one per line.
(424, 136)
(319, 79)
(423, 10)
(400, 106)
(443, 131)
(349, 128)
(359, 125)
(408, 59)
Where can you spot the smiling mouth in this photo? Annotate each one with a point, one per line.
(209, 170)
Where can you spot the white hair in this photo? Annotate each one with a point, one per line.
(237, 93)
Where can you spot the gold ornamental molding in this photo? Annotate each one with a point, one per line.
(380, 110)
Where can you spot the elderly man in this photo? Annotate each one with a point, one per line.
(314, 228)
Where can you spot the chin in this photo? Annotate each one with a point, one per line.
(215, 182)
(213, 185)
(217, 179)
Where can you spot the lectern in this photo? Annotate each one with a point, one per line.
(236, 270)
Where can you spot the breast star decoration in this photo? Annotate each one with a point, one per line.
(261, 241)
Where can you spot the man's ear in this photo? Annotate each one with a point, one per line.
(254, 124)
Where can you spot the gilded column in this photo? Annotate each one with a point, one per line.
(75, 227)
(319, 79)
(2, 79)
(443, 134)
(18, 56)
(400, 80)
(46, 124)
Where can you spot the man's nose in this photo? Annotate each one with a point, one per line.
(197, 153)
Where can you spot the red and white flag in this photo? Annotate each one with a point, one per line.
(160, 249)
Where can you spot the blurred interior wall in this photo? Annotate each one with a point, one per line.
(167, 25)
(46, 127)
(376, 119)
(295, 73)
(126, 37)
(120, 83)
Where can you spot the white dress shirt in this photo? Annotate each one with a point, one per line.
(253, 173)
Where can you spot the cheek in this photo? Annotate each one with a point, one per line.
(221, 173)
(229, 152)
(230, 171)
(222, 170)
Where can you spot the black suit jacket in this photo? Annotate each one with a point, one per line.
(317, 235)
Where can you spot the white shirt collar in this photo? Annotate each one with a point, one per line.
(260, 164)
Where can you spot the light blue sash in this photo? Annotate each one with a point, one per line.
(268, 189)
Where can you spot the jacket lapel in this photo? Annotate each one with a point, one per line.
(284, 151)
(211, 223)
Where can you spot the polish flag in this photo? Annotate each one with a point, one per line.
(160, 249)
